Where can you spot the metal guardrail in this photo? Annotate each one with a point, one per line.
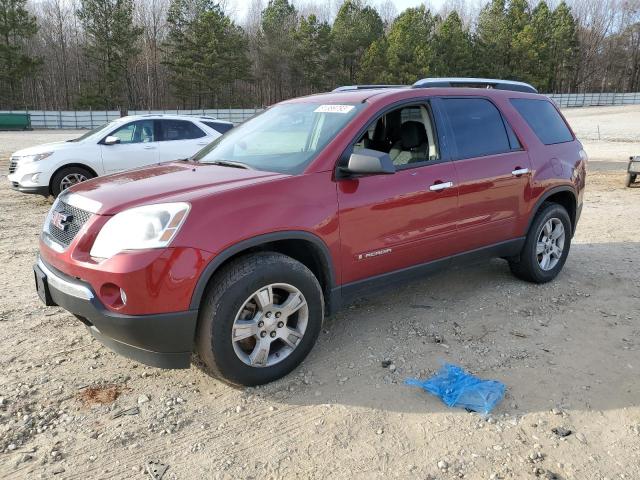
(568, 100)
(88, 119)
(94, 118)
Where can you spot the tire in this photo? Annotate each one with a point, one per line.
(631, 178)
(531, 265)
(61, 179)
(234, 290)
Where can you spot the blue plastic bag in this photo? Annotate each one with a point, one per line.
(457, 388)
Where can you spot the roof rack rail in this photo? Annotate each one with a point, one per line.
(349, 88)
(475, 83)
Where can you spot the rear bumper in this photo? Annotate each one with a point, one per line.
(160, 340)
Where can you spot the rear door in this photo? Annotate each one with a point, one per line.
(391, 222)
(492, 168)
(138, 147)
(180, 139)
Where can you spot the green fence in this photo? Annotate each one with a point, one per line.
(15, 121)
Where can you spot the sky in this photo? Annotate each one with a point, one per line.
(238, 8)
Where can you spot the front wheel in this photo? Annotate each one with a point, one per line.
(67, 177)
(546, 247)
(260, 317)
(631, 178)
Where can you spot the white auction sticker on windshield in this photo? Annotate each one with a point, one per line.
(333, 109)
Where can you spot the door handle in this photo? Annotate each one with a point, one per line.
(520, 171)
(148, 147)
(203, 143)
(436, 187)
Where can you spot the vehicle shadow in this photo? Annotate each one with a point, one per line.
(572, 343)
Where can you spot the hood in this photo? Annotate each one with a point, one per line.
(165, 182)
(45, 147)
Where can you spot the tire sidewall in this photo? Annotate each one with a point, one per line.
(56, 187)
(553, 211)
(228, 304)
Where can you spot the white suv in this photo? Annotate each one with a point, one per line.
(126, 143)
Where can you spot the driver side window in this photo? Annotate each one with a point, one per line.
(140, 131)
(407, 134)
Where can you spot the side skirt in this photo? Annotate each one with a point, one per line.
(346, 294)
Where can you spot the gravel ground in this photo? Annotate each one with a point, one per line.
(568, 352)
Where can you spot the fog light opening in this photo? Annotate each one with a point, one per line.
(113, 296)
(35, 177)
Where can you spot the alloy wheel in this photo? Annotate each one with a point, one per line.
(71, 179)
(270, 325)
(550, 244)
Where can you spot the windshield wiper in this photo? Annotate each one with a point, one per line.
(229, 163)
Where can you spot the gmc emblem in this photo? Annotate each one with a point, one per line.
(61, 220)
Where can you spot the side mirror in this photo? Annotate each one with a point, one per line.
(369, 162)
(111, 140)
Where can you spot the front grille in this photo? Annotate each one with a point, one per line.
(13, 164)
(66, 236)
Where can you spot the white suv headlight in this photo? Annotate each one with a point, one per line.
(34, 158)
(140, 228)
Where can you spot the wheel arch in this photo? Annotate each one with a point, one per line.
(305, 247)
(565, 196)
(67, 165)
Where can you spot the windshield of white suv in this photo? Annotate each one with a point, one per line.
(90, 132)
(283, 139)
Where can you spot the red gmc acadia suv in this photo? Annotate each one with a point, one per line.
(239, 252)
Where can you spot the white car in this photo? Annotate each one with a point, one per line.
(126, 143)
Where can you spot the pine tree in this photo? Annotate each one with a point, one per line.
(16, 26)
(410, 54)
(492, 41)
(277, 47)
(521, 52)
(564, 48)
(374, 67)
(206, 53)
(312, 51)
(111, 44)
(355, 28)
(453, 49)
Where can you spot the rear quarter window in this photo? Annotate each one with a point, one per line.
(219, 126)
(544, 120)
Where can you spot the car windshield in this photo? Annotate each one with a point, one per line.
(90, 132)
(283, 139)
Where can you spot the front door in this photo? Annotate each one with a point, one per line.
(493, 171)
(390, 222)
(138, 147)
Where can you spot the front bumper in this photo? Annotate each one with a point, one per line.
(22, 179)
(162, 340)
(36, 190)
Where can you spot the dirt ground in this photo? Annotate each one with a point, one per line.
(568, 352)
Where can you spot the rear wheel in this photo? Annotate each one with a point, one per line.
(260, 317)
(67, 177)
(546, 247)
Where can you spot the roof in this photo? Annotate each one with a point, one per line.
(385, 95)
(173, 116)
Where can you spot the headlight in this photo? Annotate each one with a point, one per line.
(140, 228)
(34, 158)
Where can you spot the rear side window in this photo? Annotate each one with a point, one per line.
(478, 128)
(180, 130)
(219, 126)
(544, 120)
